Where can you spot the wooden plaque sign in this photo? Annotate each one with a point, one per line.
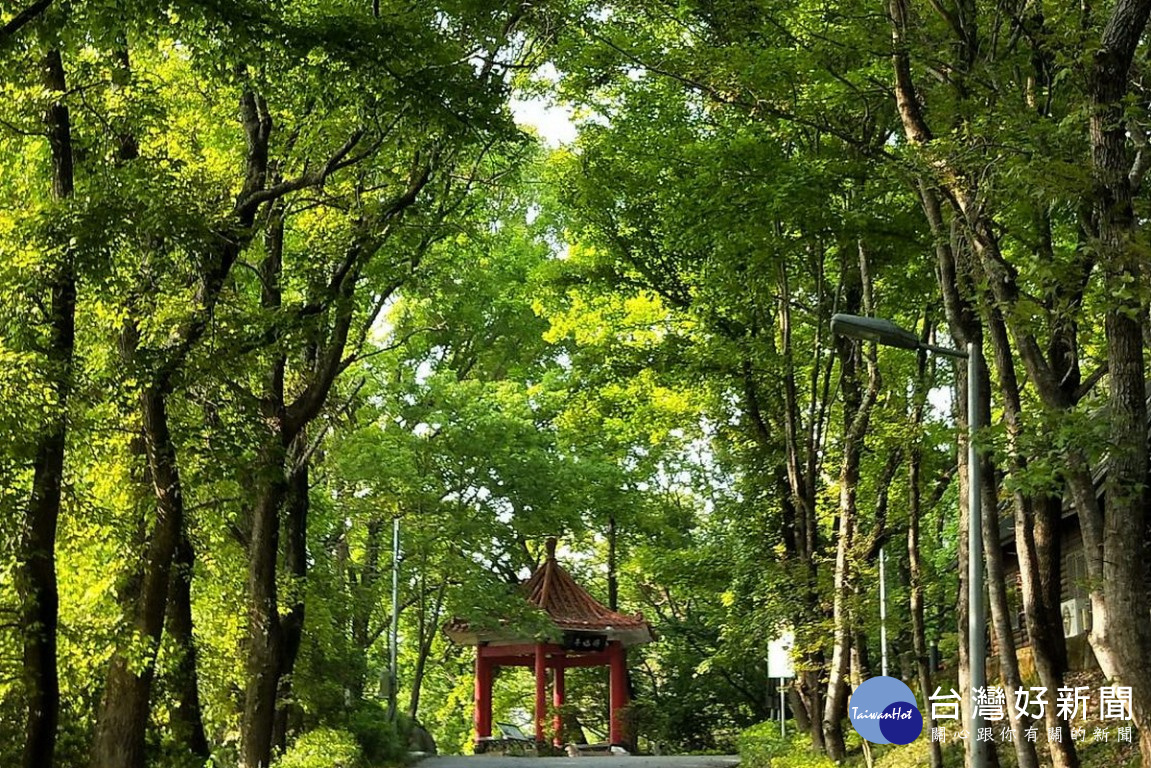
(584, 641)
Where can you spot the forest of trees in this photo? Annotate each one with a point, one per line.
(276, 273)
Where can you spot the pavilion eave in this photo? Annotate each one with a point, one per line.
(625, 636)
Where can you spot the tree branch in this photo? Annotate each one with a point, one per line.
(309, 402)
(1089, 383)
(337, 161)
(22, 19)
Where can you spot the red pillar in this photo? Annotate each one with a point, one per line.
(618, 692)
(558, 701)
(541, 692)
(483, 717)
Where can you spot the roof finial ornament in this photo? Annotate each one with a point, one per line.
(551, 547)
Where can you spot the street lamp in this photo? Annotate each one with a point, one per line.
(889, 334)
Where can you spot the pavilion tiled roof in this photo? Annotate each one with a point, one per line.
(570, 607)
(552, 589)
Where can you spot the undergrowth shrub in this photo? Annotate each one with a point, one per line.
(762, 746)
(323, 748)
(760, 743)
(383, 742)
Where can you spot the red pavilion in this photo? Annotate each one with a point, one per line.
(593, 635)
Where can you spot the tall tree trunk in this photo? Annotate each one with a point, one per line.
(39, 596)
(265, 630)
(1037, 545)
(123, 716)
(798, 706)
(996, 582)
(954, 284)
(296, 507)
(803, 451)
(1044, 526)
(915, 566)
(1000, 608)
(284, 452)
(860, 653)
(363, 590)
(835, 707)
(264, 633)
(285, 422)
(123, 712)
(1120, 632)
(188, 716)
(857, 405)
(428, 631)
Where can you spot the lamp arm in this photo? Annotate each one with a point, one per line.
(945, 351)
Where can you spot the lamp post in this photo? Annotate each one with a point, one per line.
(883, 612)
(393, 650)
(889, 334)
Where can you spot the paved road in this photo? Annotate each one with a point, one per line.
(588, 761)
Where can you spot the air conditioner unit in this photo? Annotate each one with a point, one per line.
(1076, 615)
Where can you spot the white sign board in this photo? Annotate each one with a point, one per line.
(779, 662)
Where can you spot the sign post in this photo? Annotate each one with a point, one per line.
(779, 665)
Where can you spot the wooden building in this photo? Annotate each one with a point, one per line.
(1074, 598)
(586, 634)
